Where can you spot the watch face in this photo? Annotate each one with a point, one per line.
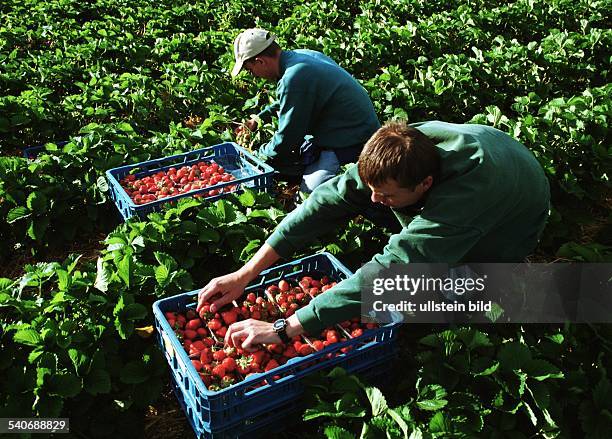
(278, 325)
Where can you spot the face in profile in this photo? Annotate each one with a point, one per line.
(391, 194)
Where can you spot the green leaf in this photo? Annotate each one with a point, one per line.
(38, 227)
(335, 432)
(37, 202)
(377, 400)
(166, 260)
(98, 381)
(208, 235)
(124, 270)
(28, 337)
(80, 361)
(135, 372)
(102, 184)
(541, 370)
(134, 311)
(103, 276)
(247, 198)
(17, 213)
(162, 274)
(439, 424)
(513, 356)
(47, 406)
(67, 385)
(399, 420)
(483, 366)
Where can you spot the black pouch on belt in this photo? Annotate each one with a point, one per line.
(309, 152)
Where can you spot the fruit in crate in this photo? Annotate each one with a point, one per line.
(176, 181)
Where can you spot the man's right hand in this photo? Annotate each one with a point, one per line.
(250, 124)
(230, 286)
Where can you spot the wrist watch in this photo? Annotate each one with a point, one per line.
(280, 327)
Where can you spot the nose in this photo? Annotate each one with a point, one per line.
(376, 198)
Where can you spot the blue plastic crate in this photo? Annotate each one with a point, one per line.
(32, 152)
(230, 408)
(249, 172)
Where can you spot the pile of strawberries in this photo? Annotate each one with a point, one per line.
(220, 366)
(177, 181)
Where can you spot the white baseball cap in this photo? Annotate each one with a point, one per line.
(250, 43)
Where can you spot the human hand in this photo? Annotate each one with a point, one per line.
(250, 125)
(248, 334)
(230, 287)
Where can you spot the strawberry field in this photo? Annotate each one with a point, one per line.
(108, 83)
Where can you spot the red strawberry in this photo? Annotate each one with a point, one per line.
(251, 297)
(190, 334)
(214, 324)
(283, 285)
(257, 356)
(197, 365)
(357, 333)
(305, 349)
(218, 371)
(230, 316)
(221, 331)
(318, 345)
(218, 355)
(272, 364)
(229, 363)
(191, 314)
(193, 324)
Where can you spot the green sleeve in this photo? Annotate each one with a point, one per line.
(421, 241)
(269, 111)
(330, 204)
(295, 114)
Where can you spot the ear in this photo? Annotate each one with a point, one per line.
(427, 183)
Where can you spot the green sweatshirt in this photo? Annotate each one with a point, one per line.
(489, 205)
(319, 98)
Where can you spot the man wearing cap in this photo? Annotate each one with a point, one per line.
(316, 99)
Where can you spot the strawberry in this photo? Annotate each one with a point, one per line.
(290, 352)
(318, 345)
(193, 324)
(199, 345)
(206, 378)
(190, 334)
(357, 333)
(305, 349)
(230, 316)
(218, 371)
(257, 356)
(272, 364)
(283, 285)
(214, 324)
(191, 314)
(197, 365)
(202, 332)
(324, 280)
(243, 365)
(218, 355)
(221, 331)
(251, 297)
(229, 363)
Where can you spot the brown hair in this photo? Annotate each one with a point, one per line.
(399, 152)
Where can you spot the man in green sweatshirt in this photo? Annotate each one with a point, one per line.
(316, 98)
(462, 193)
